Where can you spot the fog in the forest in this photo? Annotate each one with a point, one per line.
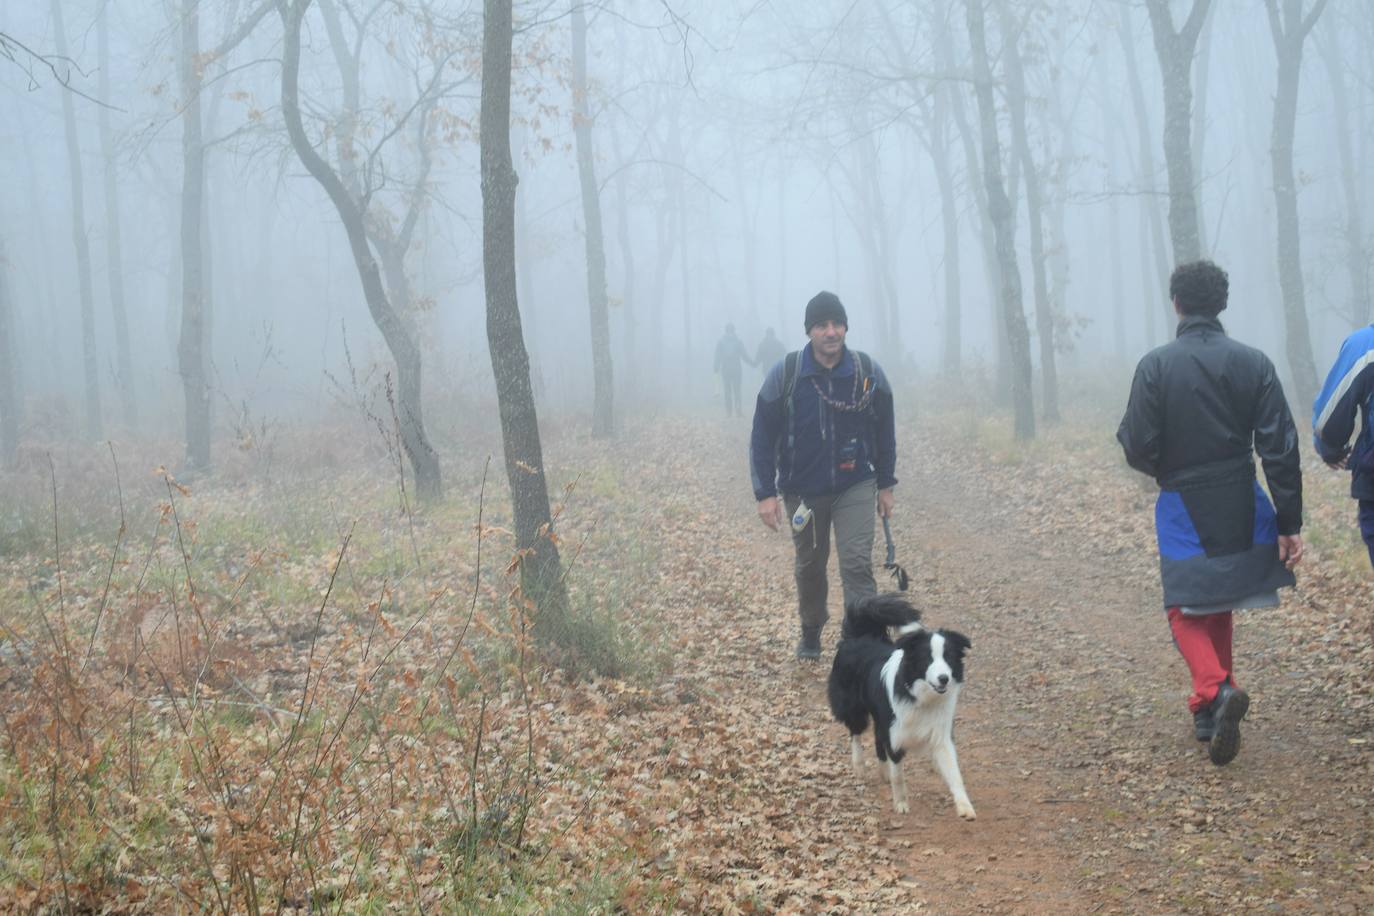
(745, 155)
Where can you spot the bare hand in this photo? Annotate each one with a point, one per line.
(1290, 549)
(1342, 463)
(885, 502)
(770, 510)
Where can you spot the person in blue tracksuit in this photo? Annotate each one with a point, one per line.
(1200, 408)
(1348, 393)
(824, 440)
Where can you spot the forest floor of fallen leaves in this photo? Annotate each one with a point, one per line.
(706, 774)
(1073, 735)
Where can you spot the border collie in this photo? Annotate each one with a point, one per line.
(908, 689)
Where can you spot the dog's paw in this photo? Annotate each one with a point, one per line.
(901, 807)
(966, 811)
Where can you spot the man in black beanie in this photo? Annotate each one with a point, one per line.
(824, 440)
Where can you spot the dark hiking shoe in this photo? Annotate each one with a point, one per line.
(1227, 709)
(1204, 724)
(809, 646)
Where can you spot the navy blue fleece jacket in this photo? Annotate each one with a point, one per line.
(821, 447)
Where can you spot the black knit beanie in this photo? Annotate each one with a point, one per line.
(825, 306)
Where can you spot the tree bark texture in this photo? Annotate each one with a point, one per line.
(90, 361)
(999, 212)
(398, 336)
(598, 305)
(1035, 214)
(1175, 50)
(1289, 29)
(114, 253)
(541, 572)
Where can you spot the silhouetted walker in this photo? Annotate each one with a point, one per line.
(770, 352)
(730, 359)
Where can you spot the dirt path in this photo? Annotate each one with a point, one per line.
(1075, 744)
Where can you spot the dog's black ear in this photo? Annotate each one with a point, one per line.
(958, 640)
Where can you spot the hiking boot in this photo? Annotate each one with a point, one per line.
(809, 646)
(1227, 710)
(1204, 724)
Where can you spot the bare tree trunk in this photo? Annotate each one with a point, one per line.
(524, 253)
(394, 329)
(1175, 50)
(864, 206)
(949, 221)
(9, 393)
(1356, 259)
(1155, 305)
(882, 232)
(999, 210)
(191, 345)
(665, 225)
(629, 297)
(114, 254)
(94, 425)
(603, 388)
(934, 138)
(1290, 32)
(679, 198)
(749, 218)
(1044, 310)
(392, 245)
(977, 190)
(1118, 283)
(540, 567)
(346, 55)
(1203, 67)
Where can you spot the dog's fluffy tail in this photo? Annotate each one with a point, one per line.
(872, 616)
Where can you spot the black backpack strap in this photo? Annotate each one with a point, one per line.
(789, 377)
(789, 381)
(865, 363)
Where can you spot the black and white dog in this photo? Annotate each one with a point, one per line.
(908, 689)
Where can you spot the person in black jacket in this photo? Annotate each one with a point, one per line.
(1198, 406)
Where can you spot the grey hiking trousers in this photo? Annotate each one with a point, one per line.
(851, 514)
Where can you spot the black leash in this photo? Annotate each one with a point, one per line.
(903, 580)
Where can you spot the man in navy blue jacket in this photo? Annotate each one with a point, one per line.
(824, 441)
(1349, 391)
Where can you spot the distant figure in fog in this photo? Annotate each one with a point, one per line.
(730, 360)
(769, 353)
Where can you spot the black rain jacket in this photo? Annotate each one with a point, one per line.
(1200, 407)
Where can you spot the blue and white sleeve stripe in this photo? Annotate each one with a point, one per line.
(1348, 385)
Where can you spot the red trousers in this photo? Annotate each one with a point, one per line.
(1205, 644)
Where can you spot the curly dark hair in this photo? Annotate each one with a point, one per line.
(1199, 288)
